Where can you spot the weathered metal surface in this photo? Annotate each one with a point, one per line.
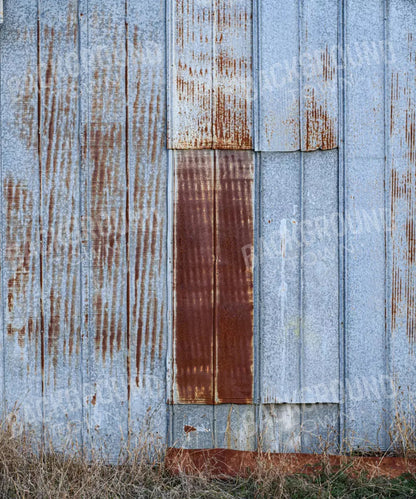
(233, 318)
(297, 99)
(210, 75)
(147, 189)
(400, 185)
(298, 286)
(193, 280)
(58, 96)
(299, 428)
(105, 152)
(363, 237)
(22, 358)
(213, 283)
(327, 324)
(80, 222)
(206, 426)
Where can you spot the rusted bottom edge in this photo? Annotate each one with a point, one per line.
(226, 462)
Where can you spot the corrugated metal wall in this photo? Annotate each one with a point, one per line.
(207, 223)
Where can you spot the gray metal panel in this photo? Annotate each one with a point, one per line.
(299, 428)
(401, 194)
(364, 222)
(279, 258)
(224, 426)
(319, 278)
(147, 185)
(299, 277)
(104, 152)
(297, 102)
(22, 341)
(60, 215)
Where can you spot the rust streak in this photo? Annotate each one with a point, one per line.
(403, 198)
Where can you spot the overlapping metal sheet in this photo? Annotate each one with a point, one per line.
(252, 286)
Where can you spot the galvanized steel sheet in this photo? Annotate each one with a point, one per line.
(213, 298)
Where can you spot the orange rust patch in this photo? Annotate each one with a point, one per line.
(194, 277)
(320, 127)
(320, 119)
(189, 429)
(220, 462)
(234, 277)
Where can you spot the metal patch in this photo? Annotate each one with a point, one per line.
(213, 281)
(210, 75)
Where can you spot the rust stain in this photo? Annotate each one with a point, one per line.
(213, 78)
(59, 101)
(107, 211)
(403, 197)
(193, 79)
(228, 462)
(320, 126)
(194, 277)
(21, 313)
(146, 218)
(234, 277)
(189, 429)
(232, 76)
(26, 115)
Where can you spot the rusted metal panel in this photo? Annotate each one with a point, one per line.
(104, 132)
(401, 160)
(210, 74)
(147, 218)
(213, 293)
(299, 277)
(234, 211)
(363, 237)
(193, 281)
(297, 76)
(22, 356)
(59, 196)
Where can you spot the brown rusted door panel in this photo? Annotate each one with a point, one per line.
(194, 276)
(213, 283)
(234, 277)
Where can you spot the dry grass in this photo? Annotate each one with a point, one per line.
(29, 472)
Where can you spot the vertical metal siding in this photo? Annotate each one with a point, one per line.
(97, 218)
(297, 103)
(400, 186)
(22, 356)
(210, 74)
(364, 241)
